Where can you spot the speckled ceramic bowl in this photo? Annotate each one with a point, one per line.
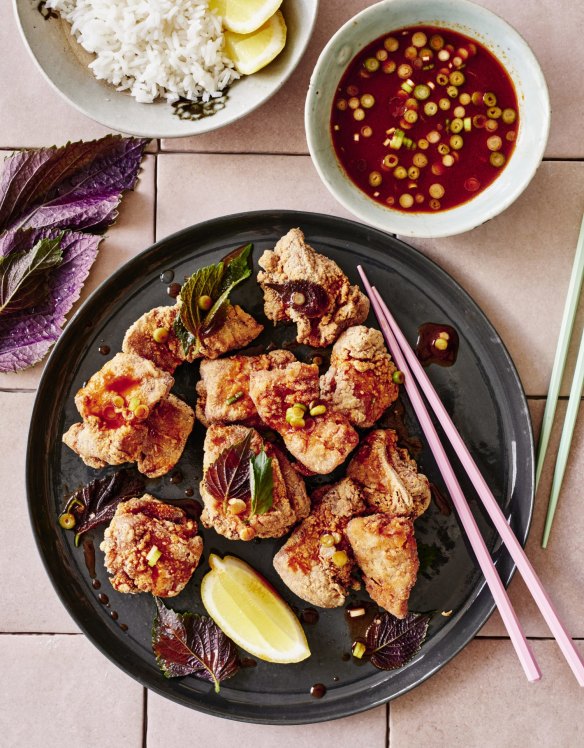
(466, 18)
(63, 62)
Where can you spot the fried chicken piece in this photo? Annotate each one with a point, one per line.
(108, 394)
(309, 289)
(306, 564)
(325, 441)
(98, 446)
(385, 549)
(359, 382)
(167, 431)
(156, 443)
(290, 500)
(389, 476)
(227, 379)
(168, 354)
(238, 330)
(138, 526)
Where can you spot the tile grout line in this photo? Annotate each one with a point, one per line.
(173, 152)
(42, 633)
(154, 217)
(145, 718)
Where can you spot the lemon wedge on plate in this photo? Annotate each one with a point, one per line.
(251, 52)
(244, 16)
(247, 608)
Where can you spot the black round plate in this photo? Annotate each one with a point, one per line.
(481, 391)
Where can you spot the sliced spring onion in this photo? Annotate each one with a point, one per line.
(489, 99)
(457, 77)
(153, 555)
(456, 125)
(494, 143)
(509, 116)
(456, 142)
(422, 91)
(436, 42)
(371, 64)
(497, 159)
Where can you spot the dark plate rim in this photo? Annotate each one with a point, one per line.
(481, 603)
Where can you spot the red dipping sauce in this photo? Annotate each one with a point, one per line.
(424, 119)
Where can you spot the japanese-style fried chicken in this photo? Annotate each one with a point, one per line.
(223, 390)
(316, 561)
(385, 549)
(237, 331)
(99, 446)
(112, 395)
(320, 442)
(152, 337)
(155, 443)
(167, 431)
(129, 416)
(152, 547)
(309, 289)
(233, 518)
(390, 478)
(166, 352)
(359, 382)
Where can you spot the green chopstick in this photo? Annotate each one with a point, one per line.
(566, 328)
(565, 441)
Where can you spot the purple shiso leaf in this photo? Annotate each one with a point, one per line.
(76, 186)
(27, 335)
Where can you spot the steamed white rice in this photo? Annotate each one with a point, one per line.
(152, 48)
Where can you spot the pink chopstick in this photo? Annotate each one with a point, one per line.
(495, 512)
(477, 542)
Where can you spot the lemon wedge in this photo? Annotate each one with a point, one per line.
(251, 52)
(244, 16)
(247, 608)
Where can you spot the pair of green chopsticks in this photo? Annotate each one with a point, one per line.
(554, 390)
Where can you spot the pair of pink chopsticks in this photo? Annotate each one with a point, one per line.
(413, 371)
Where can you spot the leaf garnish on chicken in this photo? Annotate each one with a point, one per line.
(204, 297)
(189, 644)
(238, 473)
(392, 642)
(261, 479)
(228, 476)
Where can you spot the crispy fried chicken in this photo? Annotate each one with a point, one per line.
(238, 330)
(324, 442)
(385, 549)
(108, 394)
(309, 289)
(232, 519)
(140, 525)
(389, 476)
(359, 382)
(128, 416)
(307, 562)
(223, 390)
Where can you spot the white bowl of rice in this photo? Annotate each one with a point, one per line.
(158, 69)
